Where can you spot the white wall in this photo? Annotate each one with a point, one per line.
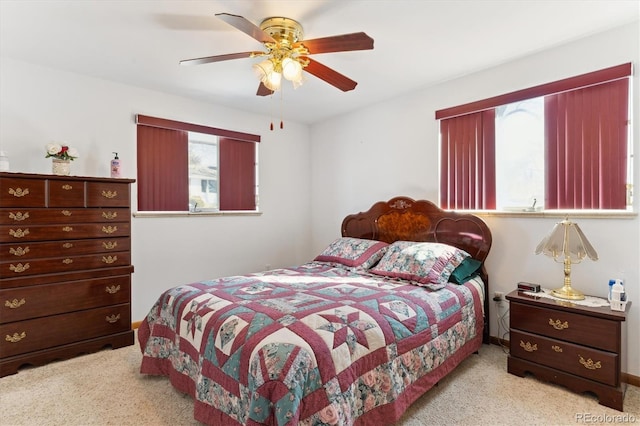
(39, 105)
(391, 149)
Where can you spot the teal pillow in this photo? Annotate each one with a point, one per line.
(468, 269)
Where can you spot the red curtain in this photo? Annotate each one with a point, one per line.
(467, 172)
(586, 147)
(163, 169)
(237, 174)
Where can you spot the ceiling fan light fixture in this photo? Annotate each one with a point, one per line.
(272, 80)
(263, 69)
(292, 69)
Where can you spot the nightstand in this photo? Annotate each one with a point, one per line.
(565, 343)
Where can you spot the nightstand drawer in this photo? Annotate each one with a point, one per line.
(575, 359)
(586, 330)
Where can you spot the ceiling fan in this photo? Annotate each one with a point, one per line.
(287, 53)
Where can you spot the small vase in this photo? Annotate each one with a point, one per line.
(60, 167)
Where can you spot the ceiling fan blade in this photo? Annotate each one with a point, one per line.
(219, 58)
(263, 90)
(246, 27)
(339, 43)
(332, 77)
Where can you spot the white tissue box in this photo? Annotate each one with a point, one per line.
(618, 305)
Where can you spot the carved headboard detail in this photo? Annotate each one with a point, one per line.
(403, 218)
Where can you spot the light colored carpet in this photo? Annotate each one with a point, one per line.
(105, 388)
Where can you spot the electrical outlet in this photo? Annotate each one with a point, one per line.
(497, 296)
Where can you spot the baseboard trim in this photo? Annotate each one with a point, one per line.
(135, 325)
(625, 377)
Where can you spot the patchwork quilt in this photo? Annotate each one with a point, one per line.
(317, 344)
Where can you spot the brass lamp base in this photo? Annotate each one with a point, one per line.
(567, 292)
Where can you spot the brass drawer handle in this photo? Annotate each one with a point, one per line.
(19, 216)
(67, 228)
(109, 245)
(112, 318)
(67, 261)
(528, 346)
(66, 213)
(558, 325)
(15, 303)
(19, 233)
(67, 187)
(16, 337)
(109, 229)
(112, 289)
(109, 215)
(109, 194)
(109, 259)
(19, 267)
(589, 364)
(19, 192)
(19, 251)
(67, 245)
(556, 348)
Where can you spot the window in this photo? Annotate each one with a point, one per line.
(189, 167)
(562, 145)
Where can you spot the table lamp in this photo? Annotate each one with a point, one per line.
(566, 240)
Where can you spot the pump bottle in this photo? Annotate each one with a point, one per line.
(115, 166)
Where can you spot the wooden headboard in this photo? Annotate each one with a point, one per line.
(405, 219)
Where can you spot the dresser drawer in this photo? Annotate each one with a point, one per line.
(586, 330)
(32, 216)
(36, 250)
(18, 192)
(35, 334)
(64, 264)
(107, 194)
(22, 303)
(582, 361)
(12, 234)
(66, 193)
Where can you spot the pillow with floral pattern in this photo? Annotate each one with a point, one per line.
(426, 264)
(353, 252)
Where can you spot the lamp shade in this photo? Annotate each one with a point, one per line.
(567, 239)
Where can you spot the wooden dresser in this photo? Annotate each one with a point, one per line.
(572, 345)
(65, 267)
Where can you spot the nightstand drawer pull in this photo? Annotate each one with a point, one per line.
(14, 304)
(109, 194)
(112, 318)
(590, 364)
(18, 217)
(66, 213)
(67, 261)
(528, 346)
(109, 259)
(556, 348)
(558, 325)
(16, 337)
(112, 289)
(19, 192)
(67, 187)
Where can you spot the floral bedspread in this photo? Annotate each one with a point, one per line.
(314, 344)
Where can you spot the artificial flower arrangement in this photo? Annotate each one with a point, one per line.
(61, 152)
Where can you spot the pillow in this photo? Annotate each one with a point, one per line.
(354, 252)
(427, 264)
(468, 269)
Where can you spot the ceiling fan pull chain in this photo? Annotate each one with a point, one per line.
(281, 103)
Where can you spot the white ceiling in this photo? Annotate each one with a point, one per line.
(417, 43)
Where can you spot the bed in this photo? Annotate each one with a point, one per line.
(352, 337)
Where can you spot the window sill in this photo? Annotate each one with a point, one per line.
(193, 214)
(586, 214)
